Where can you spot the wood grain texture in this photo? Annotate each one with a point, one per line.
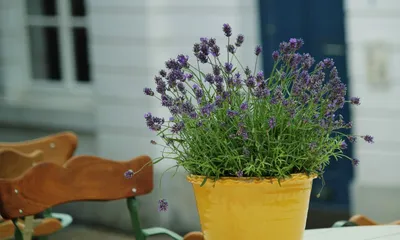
(56, 148)
(80, 178)
(14, 163)
(194, 236)
(362, 220)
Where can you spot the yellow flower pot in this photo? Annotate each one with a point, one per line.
(252, 209)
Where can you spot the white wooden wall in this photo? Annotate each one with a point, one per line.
(373, 38)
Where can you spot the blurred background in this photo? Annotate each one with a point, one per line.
(81, 65)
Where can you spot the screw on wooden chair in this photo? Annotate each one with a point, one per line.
(16, 191)
(52, 145)
(20, 211)
(134, 190)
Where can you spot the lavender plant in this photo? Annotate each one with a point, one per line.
(235, 121)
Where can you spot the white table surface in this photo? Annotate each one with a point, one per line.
(354, 233)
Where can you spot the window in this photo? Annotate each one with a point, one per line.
(57, 41)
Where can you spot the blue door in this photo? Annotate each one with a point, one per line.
(321, 25)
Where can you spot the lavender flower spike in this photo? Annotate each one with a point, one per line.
(272, 122)
(162, 205)
(368, 138)
(129, 174)
(355, 100)
(148, 91)
(258, 50)
(227, 30)
(239, 40)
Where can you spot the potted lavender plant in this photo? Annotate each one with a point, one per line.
(251, 143)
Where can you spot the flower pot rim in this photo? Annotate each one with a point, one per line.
(198, 179)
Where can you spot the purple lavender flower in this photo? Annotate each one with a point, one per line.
(293, 43)
(193, 115)
(272, 122)
(209, 78)
(228, 67)
(295, 59)
(258, 50)
(204, 48)
(333, 73)
(245, 135)
(218, 100)
(216, 70)
(355, 100)
(275, 55)
(188, 76)
(187, 107)
(244, 106)
(215, 50)
(307, 61)
(227, 30)
(158, 79)
(261, 92)
(220, 88)
(343, 145)
(231, 113)
(162, 205)
(250, 82)
(171, 119)
(204, 40)
(181, 87)
(148, 116)
(212, 42)
(203, 58)
(355, 162)
(177, 127)
(328, 62)
(161, 87)
(183, 60)
(129, 174)
(260, 76)
(218, 79)
(239, 173)
(174, 110)
(231, 48)
(196, 49)
(368, 138)
(239, 40)
(153, 142)
(198, 91)
(172, 64)
(163, 73)
(247, 71)
(166, 101)
(206, 110)
(148, 91)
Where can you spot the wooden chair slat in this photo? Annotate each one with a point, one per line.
(81, 178)
(57, 148)
(14, 163)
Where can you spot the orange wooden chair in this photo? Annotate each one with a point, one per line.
(81, 178)
(18, 157)
(12, 165)
(56, 148)
(361, 220)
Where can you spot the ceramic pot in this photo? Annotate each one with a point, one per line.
(253, 209)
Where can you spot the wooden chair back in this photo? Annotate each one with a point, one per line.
(14, 163)
(56, 148)
(81, 178)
